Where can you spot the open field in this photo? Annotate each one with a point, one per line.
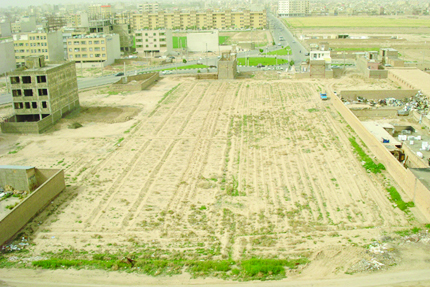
(356, 21)
(281, 52)
(410, 36)
(209, 170)
(254, 61)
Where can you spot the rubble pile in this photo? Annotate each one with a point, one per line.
(9, 191)
(15, 246)
(419, 102)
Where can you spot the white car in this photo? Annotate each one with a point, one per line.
(168, 72)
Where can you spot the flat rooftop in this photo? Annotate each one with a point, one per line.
(377, 129)
(423, 174)
(417, 78)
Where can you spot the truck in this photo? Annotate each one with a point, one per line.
(323, 96)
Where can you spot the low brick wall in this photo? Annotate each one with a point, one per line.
(207, 76)
(51, 183)
(351, 95)
(413, 188)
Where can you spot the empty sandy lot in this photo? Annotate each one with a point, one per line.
(214, 169)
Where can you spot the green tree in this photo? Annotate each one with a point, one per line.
(261, 50)
(291, 63)
(184, 61)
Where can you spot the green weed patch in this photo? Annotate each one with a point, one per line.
(369, 164)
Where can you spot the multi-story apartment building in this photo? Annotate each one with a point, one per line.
(289, 8)
(100, 11)
(77, 20)
(200, 20)
(7, 54)
(94, 48)
(148, 7)
(47, 44)
(153, 41)
(41, 95)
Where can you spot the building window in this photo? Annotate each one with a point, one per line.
(84, 56)
(27, 105)
(26, 79)
(83, 42)
(34, 105)
(91, 49)
(44, 105)
(77, 49)
(77, 56)
(41, 79)
(16, 93)
(103, 41)
(43, 92)
(97, 49)
(96, 42)
(97, 55)
(76, 43)
(83, 49)
(103, 48)
(14, 80)
(90, 42)
(28, 92)
(18, 106)
(69, 43)
(91, 56)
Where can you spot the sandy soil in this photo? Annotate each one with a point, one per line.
(412, 43)
(243, 168)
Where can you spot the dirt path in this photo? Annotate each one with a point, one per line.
(63, 278)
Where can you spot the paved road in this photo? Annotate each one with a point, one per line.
(279, 29)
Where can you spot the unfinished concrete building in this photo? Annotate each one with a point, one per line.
(227, 66)
(42, 94)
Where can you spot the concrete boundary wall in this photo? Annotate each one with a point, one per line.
(351, 95)
(413, 188)
(143, 81)
(425, 121)
(51, 183)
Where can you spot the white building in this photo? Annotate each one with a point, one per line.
(148, 8)
(7, 54)
(288, 8)
(203, 42)
(153, 41)
(320, 55)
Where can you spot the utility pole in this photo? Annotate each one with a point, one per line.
(124, 72)
(206, 54)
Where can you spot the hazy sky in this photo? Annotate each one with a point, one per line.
(26, 3)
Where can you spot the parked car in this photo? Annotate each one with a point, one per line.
(119, 74)
(168, 72)
(212, 66)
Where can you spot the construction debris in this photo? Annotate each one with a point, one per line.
(419, 102)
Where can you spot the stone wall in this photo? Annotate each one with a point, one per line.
(51, 183)
(413, 188)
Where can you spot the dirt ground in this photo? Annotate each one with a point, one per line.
(212, 170)
(412, 43)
